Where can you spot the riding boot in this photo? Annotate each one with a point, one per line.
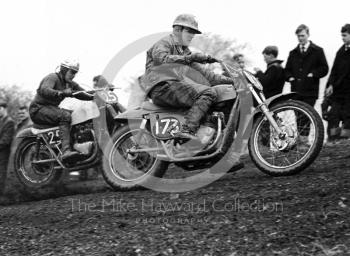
(67, 152)
(186, 133)
(193, 118)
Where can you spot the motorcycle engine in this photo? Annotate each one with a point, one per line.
(83, 137)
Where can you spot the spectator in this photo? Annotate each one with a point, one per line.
(326, 107)
(238, 60)
(7, 130)
(239, 63)
(24, 120)
(272, 79)
(305, 66)
(338, 89)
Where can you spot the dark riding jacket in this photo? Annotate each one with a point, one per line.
(166, 62)
(50, 87)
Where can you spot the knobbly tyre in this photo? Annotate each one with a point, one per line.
(37, 158)
(144, 145)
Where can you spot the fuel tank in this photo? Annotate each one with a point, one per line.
(82, 110)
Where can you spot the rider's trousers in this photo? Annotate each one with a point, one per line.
(49, 114)
(195, 97)
(52, 115)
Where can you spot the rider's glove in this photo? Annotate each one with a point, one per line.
(211, 60)
(227, 80)
(200, 58)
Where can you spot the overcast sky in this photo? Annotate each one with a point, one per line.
(38, 34)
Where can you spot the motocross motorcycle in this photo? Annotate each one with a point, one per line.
(145, 143)
(37, 158)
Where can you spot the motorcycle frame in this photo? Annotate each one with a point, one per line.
(87, 163)
(223, 146)
(225, 143)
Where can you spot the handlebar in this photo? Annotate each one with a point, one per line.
(91, 92)
(106, 88)
(83, 95)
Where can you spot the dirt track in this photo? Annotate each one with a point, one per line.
(246, 213)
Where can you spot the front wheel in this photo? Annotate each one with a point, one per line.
(296, 148)
(123, 170)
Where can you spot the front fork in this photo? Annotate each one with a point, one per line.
(265, 110)
(138, 136)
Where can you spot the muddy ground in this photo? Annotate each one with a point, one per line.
(245, 213)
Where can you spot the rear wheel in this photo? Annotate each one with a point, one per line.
(35, 175)
(303, 137)
(123, 170)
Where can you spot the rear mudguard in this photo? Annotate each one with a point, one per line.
(27, 132)
(132, 114)
(138, 113)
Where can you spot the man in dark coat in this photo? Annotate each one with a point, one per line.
(305, 66)
(272, 79)
(7, 130)
(338, 88)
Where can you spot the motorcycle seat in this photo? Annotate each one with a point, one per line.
(39, 128)
(147, 105)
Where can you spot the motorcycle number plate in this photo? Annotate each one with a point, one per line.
(53, 137)
(166, 127)
(108, 96)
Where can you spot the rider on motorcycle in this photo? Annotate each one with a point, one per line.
(167, 88)
(52, 90)
(100, 82)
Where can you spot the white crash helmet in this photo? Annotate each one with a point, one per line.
(71, 64)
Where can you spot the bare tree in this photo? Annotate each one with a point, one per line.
(218, 46)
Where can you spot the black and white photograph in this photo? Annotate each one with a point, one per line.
(165, 128)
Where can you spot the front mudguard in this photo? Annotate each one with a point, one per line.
(276, 99)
